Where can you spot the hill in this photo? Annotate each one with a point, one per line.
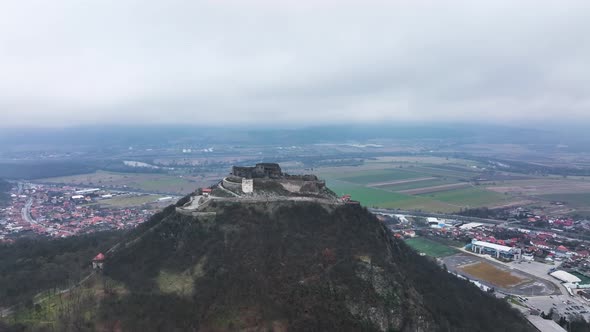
(281, 263)
(285, 266)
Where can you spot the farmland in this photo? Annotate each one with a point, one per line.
(543, 186)
(156, 183)
(368, 196)
(470, 197)
(378, 176)
(417, 184)
(128, 201)
(429, 247)
(434, 189)
(411, 184)
(579, 200)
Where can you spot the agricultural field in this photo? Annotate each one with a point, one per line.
(429, 247)
(146, 182)
(367, 195)
(407, 160)
(446, 172)
(373, 197)
(413, 183)
(542, 186)
(492, 274)
(435, 189)
(574, 193)
(379, 176)
(470, 197)
(580, 200)
(129, 201)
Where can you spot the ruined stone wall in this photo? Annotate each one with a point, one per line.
(261, 170)
(302, 186)
(231, 185)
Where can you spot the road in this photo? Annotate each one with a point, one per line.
(26, 212)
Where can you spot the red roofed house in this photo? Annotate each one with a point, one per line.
(206, 191)
(98, 261)
(541, 244)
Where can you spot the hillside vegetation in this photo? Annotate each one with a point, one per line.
(281, 267)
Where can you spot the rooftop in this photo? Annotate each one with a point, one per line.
(565, 276)
(492, 246)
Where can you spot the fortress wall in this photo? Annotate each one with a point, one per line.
(292, 186)
(233, 186)
(302, 186)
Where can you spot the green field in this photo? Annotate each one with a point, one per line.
(429, 247)
(157, 184)
(469, 197)
(437, 170)
(581, 200)
(127, 201)
(371, 197)
(375, 176)
(421, 204)
(160, 183)
(417, 185)
(366, 195)
(432, 171)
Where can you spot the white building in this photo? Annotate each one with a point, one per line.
(470, 226)
(497, 250)
(565, 277)
(248, 186)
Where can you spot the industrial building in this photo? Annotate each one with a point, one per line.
(496, 250)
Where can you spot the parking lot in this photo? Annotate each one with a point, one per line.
(564, 305)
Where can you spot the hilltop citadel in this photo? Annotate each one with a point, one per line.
(263, 182)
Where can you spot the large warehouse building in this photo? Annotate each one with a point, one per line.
(499, 251)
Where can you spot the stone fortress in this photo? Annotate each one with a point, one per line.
(261, 170)
(262, 182)
(268, 177)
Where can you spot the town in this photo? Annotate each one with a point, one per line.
(540, 271)
(61, 210)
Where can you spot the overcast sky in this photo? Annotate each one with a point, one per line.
(66, 63)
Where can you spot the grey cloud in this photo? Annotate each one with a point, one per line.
(68, 62)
